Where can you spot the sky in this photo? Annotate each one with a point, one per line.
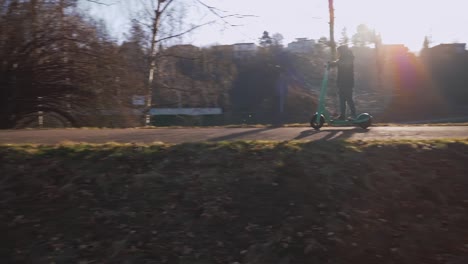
(398, 21)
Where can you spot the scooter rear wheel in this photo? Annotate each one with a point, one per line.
(366, 123)
(317, 125)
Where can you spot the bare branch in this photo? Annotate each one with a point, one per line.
(217, 12)
(101, 3)
(186, 31)
(167, 5)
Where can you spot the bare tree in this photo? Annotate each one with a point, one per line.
(66, 69)
(161, 8)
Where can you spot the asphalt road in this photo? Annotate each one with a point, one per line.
(180, 135)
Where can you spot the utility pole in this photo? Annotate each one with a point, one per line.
(331, 10)
(332, 29)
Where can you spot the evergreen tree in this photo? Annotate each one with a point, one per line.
(277, 39)
(265, 40)
(426, 43)
(344, 40)
(364, 36)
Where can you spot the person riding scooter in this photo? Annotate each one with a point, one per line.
(345, 80)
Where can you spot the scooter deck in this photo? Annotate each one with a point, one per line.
(338, 122)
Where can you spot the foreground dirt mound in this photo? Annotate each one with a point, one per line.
(242, 202)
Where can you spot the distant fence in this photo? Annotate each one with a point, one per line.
(186, 111)
(216, 117)
(231, 118)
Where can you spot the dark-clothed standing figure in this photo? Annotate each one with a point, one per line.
(345, 80)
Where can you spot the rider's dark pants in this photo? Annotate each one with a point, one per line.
(346, 97)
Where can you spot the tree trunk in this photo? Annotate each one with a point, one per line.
(152, 69)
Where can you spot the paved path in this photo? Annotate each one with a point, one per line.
(181, 135)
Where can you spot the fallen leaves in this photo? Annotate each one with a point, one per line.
(233, 205)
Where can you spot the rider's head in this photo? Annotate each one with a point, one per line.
(344, 51)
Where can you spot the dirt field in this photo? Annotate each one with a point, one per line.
(238, 202)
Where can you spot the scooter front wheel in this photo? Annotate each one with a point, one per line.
(317, 124)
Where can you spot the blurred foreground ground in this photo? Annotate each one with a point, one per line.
(235, 202)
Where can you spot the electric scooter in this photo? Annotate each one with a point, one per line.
(363, 120)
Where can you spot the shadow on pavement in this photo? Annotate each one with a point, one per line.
(238, 135)
(335, 134)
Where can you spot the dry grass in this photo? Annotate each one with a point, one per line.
(384, 202)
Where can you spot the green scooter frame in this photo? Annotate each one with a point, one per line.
(363, 120)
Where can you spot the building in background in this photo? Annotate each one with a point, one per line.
(244, 50)
(302, 45)
(452, 48)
